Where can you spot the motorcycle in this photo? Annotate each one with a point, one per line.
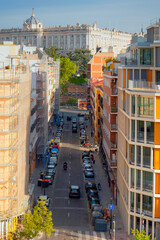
(65, 166)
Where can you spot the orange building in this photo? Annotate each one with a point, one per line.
(96, 64)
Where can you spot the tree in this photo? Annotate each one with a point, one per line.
(71, 100)
(53, 52)
(35, 221)
(81, 58)
(67, 69)
(140, 236)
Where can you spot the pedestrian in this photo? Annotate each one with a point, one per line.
(91, 134)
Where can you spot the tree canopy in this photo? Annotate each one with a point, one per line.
(36, 221)
(140, 236)
(81, 58)
(53, 52)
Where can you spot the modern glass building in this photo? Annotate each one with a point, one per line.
(138, 162)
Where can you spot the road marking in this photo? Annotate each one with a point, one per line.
(69, 174)
(68, 214)
(102, 235)
(69, 182)
(87, 235)
(95, 235)
(79, 235)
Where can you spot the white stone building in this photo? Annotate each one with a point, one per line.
(66, 38)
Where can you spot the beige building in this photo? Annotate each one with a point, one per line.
(67, 38)
(15, 95)
(138, 162)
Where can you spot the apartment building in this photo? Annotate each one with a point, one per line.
(110, 121)
(96, 64)
(15, 95)
(96, 110)
(66, 38)
(138, 162)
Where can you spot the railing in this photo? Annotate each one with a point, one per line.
(114, 126)
(143, 84)
(114, 109)
(114, 91)
(129, 62)
(113, 145)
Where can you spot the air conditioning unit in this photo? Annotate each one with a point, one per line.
(113, 80)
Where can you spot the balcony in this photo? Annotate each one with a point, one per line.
(113, 145)
(114, 126)
(114, 91)
(143, 85)
(113, 162)
(114, 109)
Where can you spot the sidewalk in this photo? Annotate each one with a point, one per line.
(105, 193)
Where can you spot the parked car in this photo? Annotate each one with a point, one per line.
(87, 167)
(46, 199)
(55, 145)
(74, 191)
(89, 173)
(90, 185)
(92, 201)
(74, 128)
(92, 193)
(50, 172)
(49, 178)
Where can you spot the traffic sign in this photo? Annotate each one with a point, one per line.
(111, 206)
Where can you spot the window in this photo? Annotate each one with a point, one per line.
(98, 121)
(69, 93)
(73, 94)
(146, 56)
(147, 205)
(138, 155)
(82, 93)
(77, 94)
(137, 203)
(132, 177)
(140, 131)
(147, 181)
(150, 132)
(146, 157)
(158, 77)
(145, 106)
(132, 202)
(138, 179)
(133, 130)
(132, 154)
(133, 105)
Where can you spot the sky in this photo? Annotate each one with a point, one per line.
(124, 15)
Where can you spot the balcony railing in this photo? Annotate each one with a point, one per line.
(143, 84)
(114, 126)
(114, 109)
(114, 91)
(113, 145)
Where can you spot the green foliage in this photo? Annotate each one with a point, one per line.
(78, 80)
(140, 236)
(52, 52)
(71, 100)
(35, 221)
(81, 58)
(67, 69)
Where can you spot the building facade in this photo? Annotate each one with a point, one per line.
(66, 38)
(110, 122)
(138, 163)
(15, 95)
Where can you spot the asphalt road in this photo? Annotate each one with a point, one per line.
(69, 213)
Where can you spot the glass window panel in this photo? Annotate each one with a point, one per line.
(138, 155)
(138, 179)
(145, 106)
(147, 181)
(147, 205)
(146, 157)
(132, 154)
(138, 223)
(133, 130)
(131, 224)
(138, 199)
(150, 228)
(150, 132)
(133, 105)
(158, 77)
(140, 131)
(132, 202)
(132, 177)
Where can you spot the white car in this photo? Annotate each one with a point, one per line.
(46, 199)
